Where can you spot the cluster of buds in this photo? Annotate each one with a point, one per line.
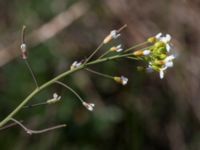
(158, 56)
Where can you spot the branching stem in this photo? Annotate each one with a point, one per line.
(29, 131)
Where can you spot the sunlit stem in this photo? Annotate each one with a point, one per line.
(136, 46)
(99, 73)
(69, 88)
(29, 131)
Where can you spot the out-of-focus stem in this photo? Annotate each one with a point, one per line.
(29, 131)
(72, 90)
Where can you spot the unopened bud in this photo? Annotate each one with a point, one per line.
(121, 80)
(24, 51)
(151, 40)
(138, 53)
(113, 35)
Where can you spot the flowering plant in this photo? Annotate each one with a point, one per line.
(155, 52)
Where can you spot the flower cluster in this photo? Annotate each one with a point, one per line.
(158, 55)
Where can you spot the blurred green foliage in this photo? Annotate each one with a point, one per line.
(146, 114)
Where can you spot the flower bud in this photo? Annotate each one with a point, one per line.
(151, 40)
(89, 106)
(121, 80)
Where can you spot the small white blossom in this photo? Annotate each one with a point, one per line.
(158, 35)
(117, 48)
(124, 80)
(23, 50)
(121, 80)
(169, 61)
(55, 99)
(23, 47)
(89, 106)
(114, 34)
(75, 64)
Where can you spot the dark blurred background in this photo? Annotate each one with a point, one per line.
(147, 114)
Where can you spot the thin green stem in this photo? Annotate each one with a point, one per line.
(72, 90)
(32, 73)
(99, 73)
(136, 46)
(94, 52)
(104, 54)
(35, 105)
(48, 83)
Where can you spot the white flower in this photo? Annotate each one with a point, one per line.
(158, 36)
(114, 34)
(168, 63)
(121, 80)
(23, 47)
(117, 48)
(89, 106)
(146, 52)
(75, 64)
(55, 99)
(165, 39)
(124, 80)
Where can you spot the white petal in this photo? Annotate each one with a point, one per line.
(146, 52)
(169, 64)
(168, 37)
(119, 50)
(55, 95)
(168, 47)
(124, 80)
(161, 73)
(119, 46)
(158, 35)
(169, 58)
